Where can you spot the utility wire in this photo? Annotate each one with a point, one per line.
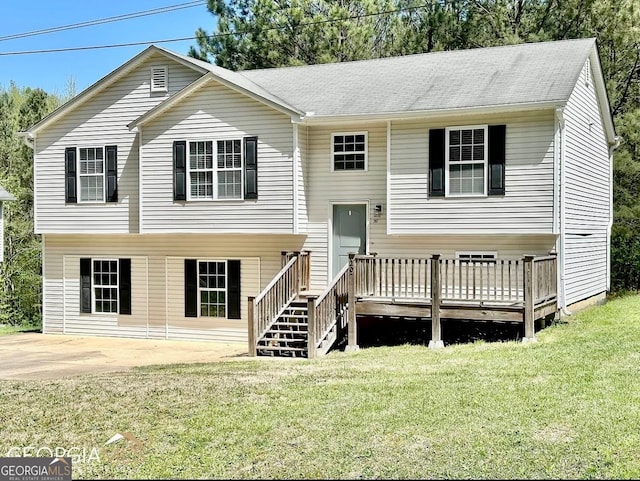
(215, 35)
(118, 18)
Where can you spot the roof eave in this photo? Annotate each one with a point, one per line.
(103, 83)
(420, 114)
(603, 97)
(295, 114)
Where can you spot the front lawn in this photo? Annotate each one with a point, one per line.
(566, 407)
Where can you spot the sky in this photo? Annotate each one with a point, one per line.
(53, 72)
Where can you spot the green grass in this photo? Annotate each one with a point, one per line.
(565, 407)
(6, 329)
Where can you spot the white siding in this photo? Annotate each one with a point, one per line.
(157, 282)
(587, 202)
(527, 206)
(101, 120)
(217, 112)
(325, 187)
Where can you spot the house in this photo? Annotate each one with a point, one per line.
(177, 199)
(4, 196)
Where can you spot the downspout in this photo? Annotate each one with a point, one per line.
(560, 138)
(296, 162)
(612, 147)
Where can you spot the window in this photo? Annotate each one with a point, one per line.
(212, 281)
(159, 80)
(466, 159)
(105, 285)
(212, 288)
(484, 257)
(221, 179)
(91, 174)
(349, 151)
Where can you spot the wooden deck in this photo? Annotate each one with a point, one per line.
(433, 288)
(517, 290)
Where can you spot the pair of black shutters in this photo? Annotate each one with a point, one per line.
(191, 288)
(124, 285)
(437, 168)
(250, 169)
(71, 174)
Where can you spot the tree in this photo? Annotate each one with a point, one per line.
(20, 273)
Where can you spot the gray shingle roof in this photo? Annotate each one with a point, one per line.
(515, 74)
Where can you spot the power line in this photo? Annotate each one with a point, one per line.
(215, 35)
(118, 18)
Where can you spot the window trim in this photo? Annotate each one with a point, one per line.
(79, 175)
(95, 286)
(226, 288)
(366, 151)
(215, 169)
(485, 162)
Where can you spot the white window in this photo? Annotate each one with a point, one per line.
(221, 179)
(105, 285)
(349, 151)
(485, 257)
(466, 153)
(212, 287)
(91, 174)
(159, 79)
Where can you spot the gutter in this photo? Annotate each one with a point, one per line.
(28, 138)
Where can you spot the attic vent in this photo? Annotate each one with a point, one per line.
(587, 73)
(159, 80)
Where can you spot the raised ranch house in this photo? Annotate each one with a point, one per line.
(177, 199)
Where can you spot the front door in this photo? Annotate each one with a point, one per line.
(349, 233)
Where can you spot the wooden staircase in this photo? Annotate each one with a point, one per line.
(288, 336)
(285, 320)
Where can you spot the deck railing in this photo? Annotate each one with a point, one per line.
(392, 277)
(495, 280)
(271, 302)
(545, 279)
(329, 309)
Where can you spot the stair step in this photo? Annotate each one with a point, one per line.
(281, 348)
(284, 331)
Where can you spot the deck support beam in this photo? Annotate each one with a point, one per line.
(311, 327)
(252, 327)
(436, 294)
(529, 318)
(352, 341)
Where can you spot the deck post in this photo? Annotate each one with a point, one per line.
(352, 344)
(251, 327)
(436, 328)
(312, 341)
(529, 321)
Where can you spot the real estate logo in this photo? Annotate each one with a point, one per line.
(35, 469)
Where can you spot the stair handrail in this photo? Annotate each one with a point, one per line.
(265, 309)
(329, 306)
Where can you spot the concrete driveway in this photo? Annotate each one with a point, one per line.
(52, 356)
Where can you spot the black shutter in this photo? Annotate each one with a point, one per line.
(436, 163)
(233, 289)
(251, 167)
(180, 170)
(124, 283)
(85, 285)
(496, 159)
(190, 288)
(112, 173)
(71, 197)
